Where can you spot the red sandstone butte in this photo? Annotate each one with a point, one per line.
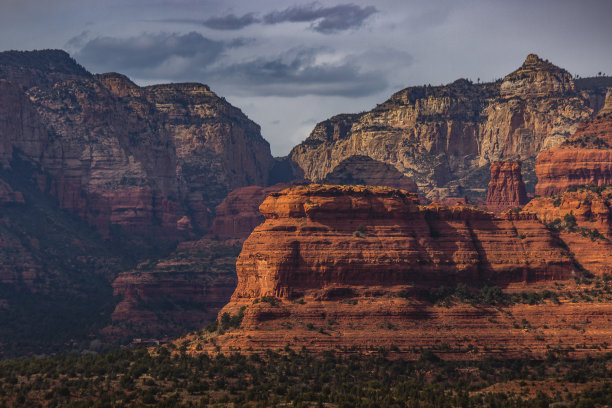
(336, 266)
(506, 187)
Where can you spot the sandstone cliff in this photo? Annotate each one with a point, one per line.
(143, 166)
(584, 159)
(176, 294)
(367, 171)
(238, 214)
(361, 267)
(583, 220)
(442, 136)
(506, 187)
(316, 237)
(118, 154)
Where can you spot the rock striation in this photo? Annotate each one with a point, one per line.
(444, 136)
(114, 153)
(506, 187)
(583, 220)
(584, 159)
(367, 171)
(320, 236)
(356, 267)
(176, 294)
(238, 214)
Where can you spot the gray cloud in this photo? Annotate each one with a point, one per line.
(296, 73)
(152, 55)
(227, 22)
(192, 57)
(325, 20)
(230, 22)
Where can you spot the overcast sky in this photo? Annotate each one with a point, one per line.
(290, 64)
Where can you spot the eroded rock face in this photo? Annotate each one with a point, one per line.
(442, 136)
(583, 220)
(238, 214)
(319, 236)
(8, 195)
(584, 159)
(506, 188)
(367, 171)
(177, 294)
(536, 78)
(117, 154)
(351, 266)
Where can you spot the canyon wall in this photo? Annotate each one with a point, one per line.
(114, 153)
(584, 159)
(444, 136)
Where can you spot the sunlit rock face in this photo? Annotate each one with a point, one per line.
(506, 187)
(584, 159)
(444, 137)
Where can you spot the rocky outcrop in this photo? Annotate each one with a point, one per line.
(8, 195)
(238, 214)
(179, 293)
(367, 171)
(319, 236)
(360, 267)
(117, 154)
(584, 159)
(536, 78)
(506, 187)
(583, 220)
(442, 136)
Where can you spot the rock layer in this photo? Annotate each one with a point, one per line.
(366, 171)
(181, 292)
(355, 266)
(584, 159)
(506, 188)
(583, 220)
(238, 214)
(442, 136)
(117, 154)
(318, 236)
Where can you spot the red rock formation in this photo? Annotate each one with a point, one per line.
(350, 266)
(320, 236)
(117, 154)
(506, 187)
(584, 221)
(584, 159)
(176, 294)
(441, 136)
(238, 213)
(8, 195)
(367, 171)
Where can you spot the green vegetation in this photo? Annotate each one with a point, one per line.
(568, 224)
(360, 232)
(587, 141)
(591, 188)
(301, 379)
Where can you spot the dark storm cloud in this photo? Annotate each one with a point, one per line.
(325, 19)
(231, 22)
(148, 55)
(228, 22)
(296, 73)
(192, 57)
